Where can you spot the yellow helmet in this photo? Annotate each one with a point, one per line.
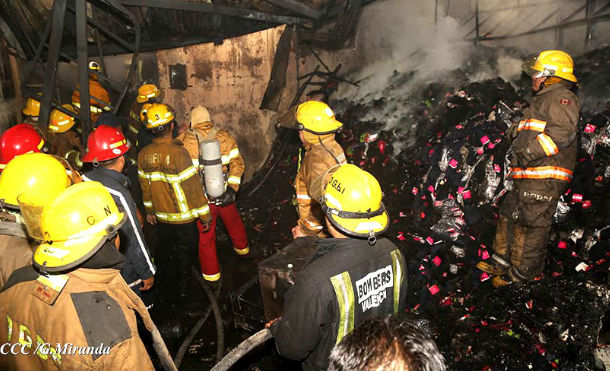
(38, 173)
(551, 63)
(143, 111)
(158, 114)
(75, 226)
(32, 107)
(317, 118)
(146, 92)
(352, 202)
(62, 122)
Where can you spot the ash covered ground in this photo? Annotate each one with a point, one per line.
(438, 150)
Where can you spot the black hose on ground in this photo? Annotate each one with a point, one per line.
(242, 349)
(194, 331)
(220, 331)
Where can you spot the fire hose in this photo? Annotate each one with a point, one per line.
(242, 349)
(195, 330)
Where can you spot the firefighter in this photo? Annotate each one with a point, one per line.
(64, 138)
(99, 100)
(106, 149)
(350, 278)
(31, 111)
(544, 155)
(172, 193)
(18, 140)
(288, 118)
(147, 94)
(73, 299)
(202, 128)
(317, 128)
(36, 173)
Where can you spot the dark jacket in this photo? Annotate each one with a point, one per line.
(139, 261)
(546, 146)
(345, 282)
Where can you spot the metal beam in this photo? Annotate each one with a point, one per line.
(116, 39)
(57, 30)
(297, 7)
(590, 27)
(217, 9)
(579, 22)
(83, 68)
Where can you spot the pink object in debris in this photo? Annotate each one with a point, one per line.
(562, 245)
(422, 215)
(576, 197)
(431, 188)
(497, 168)
(480, 150)
(485, 139)
(401, 236)
(459, 127)
(434, 289)
(484, 276)
(430, 240)
(453, 163)
(586, 204)
(460, 190)
(466, 194)
(414, 190)
(590, 128)
(438, 203)
(437, 261)
(485, 255)
(491, 146)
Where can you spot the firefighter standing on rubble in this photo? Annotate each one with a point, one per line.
(317, 128)
(173, 194)
(73, 295)
(544, 155)
(202, 128)
(106, 150)
(99, 97)
(39, 174)
(350, 278)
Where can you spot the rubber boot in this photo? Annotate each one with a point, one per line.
(498, 264)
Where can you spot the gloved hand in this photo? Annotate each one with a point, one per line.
(226, 198)
(512, 131)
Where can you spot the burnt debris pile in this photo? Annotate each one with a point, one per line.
(439, 152)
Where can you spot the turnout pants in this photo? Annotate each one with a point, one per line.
(177, 241)
(207, 240)
(523, 228)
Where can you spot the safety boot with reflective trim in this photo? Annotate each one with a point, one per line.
(491, 268)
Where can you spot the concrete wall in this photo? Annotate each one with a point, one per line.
(230, 80)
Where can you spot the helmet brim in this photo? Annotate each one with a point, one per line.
(362, 228)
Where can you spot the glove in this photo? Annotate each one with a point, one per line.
(512, 131)
(226, 198)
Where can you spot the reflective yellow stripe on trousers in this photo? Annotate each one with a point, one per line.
(344, 291)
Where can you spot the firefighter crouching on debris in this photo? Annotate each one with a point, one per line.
(72, 310)
(36, 173)
(202, 129)
(173, 194)
(64, 137)
(350, 277)
(544, 156)
(317, 128)
(106, 149)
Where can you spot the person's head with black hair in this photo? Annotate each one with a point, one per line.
(386, 344)
(318, 95)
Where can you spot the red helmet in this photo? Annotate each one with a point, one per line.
(105, 143)
(19, 139)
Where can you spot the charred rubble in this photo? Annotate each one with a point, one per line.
(442, 169)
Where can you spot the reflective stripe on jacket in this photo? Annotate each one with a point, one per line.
(318, 159)
(344, 283)
(232, 162)
(546, 144)
(95, 309)
(171, 187)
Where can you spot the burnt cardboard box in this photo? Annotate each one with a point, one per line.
(277, 273)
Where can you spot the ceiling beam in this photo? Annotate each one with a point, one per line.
(216, 9)
(297, 7)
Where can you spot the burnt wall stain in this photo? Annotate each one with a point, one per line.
(203, 69)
